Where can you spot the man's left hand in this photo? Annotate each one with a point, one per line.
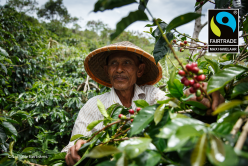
(217, 99)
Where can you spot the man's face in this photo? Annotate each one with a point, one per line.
(123, 70)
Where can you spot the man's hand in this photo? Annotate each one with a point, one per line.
(216, 97)
(72, 156)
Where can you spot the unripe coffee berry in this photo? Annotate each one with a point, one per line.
(132, 116)
(131, 111)
(181, 73)
(181, 50)
(123, 117)
(138, 109)
(200, 72)
(181, 44)
(120, 115)
(198, 93)
(191, 82)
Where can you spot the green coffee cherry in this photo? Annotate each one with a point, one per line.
(198, 93)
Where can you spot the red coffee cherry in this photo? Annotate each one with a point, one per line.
(186, 83)
(189, 67)
(201, 77)
(138, 109)
(131, 120)
(191, 82)
(131, 111)
(203, 84)
(194, 64)
(185, 42)
(181, 73)
(195, 77)
(183, 79)
(120, 115)
(201, 2)
(181, 50)
(199, 98)
(196, 86)
(181, 44)
(174, 41)
(195, 70)
(191, 90)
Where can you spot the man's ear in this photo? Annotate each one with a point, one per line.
(106, 70)
(141, 70)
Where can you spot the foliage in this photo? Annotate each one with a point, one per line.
(42, 81)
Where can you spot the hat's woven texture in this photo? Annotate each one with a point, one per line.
(96, 60)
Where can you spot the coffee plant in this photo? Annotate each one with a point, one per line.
(44, 85)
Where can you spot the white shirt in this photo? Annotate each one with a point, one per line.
(89, 112)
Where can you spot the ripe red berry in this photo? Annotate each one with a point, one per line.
(195, 70)
(183, 79)
(201, 2)
(181, 44)
(201, 77)
(185, 42)
(194, 64)
(186, 83)
(196, 86)
(191, 90)
(174, 40)
(181, 73)
(181, 50)
(189, 67)
(131, 120)
(203, 84)
(131, 111)
(138, 109)
(191, 82)
(195, 77)
(120, 115)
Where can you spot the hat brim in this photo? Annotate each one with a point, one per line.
(94, 65)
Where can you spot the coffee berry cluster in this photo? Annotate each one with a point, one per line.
(182, 44)
(188, 81)
(132, 112)
(201, 1)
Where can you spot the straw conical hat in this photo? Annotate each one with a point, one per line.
(96, 60)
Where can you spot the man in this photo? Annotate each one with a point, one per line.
(130, 72)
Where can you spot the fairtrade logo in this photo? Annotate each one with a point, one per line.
(219, 18)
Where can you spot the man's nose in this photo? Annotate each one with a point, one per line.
(119, 68)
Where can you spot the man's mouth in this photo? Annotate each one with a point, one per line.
(120, 78)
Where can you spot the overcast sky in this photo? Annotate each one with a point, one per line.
(164, 9)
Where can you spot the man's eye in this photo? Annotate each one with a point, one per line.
(127, 62)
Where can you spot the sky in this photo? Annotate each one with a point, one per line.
(163, 9)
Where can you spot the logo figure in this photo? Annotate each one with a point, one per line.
(219, 18)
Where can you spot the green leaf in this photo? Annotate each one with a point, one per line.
(11, 145)
(226, 106)
(107, 163)
(102, 109)
(126, 21)
(172, 126)
(161, 47)
(134, 146)
(196, 104)
(231, 158)
(93, 124)
(122, 161)
(182, 19)
(223, 77)
(217, 150)
(147, 158)
(102, 5)
(4, 68)
(3, 135)
(214, 65)
(142, 119)
(176, 88)
(103, 151)
(158, 115)
(221, 3)
(163, 101)
(8, 126)
(141, 103)
(74, 137)
(111, 108)
(28, 149)
(198, 155)
(115, 116)
(156, 33)
(3, 52)
(239, 89)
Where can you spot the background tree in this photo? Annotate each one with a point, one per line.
(23, 6)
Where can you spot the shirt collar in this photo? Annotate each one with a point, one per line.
(138, 94)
